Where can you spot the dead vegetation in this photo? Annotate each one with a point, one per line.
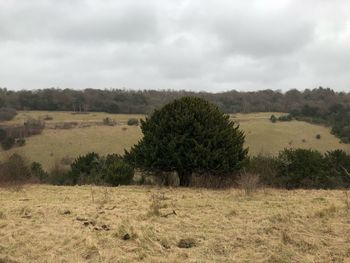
(129, 224)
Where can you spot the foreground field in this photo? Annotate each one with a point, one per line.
(90, 134)
(134, 224)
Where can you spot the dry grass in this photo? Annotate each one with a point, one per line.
(265, 137)
(262, 136)
(53, 145)
(61, 116)
(62, 224)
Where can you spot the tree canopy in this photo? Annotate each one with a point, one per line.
(189, 135)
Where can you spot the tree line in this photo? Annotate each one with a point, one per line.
(145, 101)
(320, 105)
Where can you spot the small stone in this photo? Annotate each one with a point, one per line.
(105, 227)
(126, 237)
(186, 243)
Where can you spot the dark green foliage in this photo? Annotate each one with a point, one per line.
(7, 114)
(8, 143)
(189, 135)
(301, 168)
(37, 171)
(128, 101)
(94, 169)
(133, 121)
(85, 169)
(285, 118)
(338, 166)
(273, 118)
(117, 171)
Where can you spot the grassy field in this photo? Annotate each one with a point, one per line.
(262, 136)
(137, 224)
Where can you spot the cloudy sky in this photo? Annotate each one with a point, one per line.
(210, 45)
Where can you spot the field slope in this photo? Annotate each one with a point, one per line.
(137, 224)
(53, 144)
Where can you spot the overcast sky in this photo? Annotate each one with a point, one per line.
(211, 45)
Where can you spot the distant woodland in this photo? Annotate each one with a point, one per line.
(321, 105)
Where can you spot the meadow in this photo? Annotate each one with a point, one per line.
(45, 223)
(89, 134)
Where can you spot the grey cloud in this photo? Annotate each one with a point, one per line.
(201, 45)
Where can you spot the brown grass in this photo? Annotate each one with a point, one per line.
(62, 224)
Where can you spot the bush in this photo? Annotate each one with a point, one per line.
(273, 118)
(189, 135)
(15, 171)
(248, 182)
(34, 126)
(338, 166)
(265, 167)
(133, 122)
(108, 121)
(117, 171)
(84, 169)
(7, 114)
(37, 171)
(94, 169)
(8, 143)
(59, 175)
(3, 134)
(20, 141)
(301, 168)
(285, 118)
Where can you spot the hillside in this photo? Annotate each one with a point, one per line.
(89, 134)
(134, 224)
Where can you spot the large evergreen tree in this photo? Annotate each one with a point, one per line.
(189, 135)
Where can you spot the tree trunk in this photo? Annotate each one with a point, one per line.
(185, 178)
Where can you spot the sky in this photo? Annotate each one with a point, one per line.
(199, 45)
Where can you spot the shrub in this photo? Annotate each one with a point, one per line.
(285, 118)
(3, 134)
(59, 175)
(14, 171)
(338, 167)
(8, 143)
(108, 121)
(133, 122)
(266, 167)
(189, 135)
(34, 126)
(117, 171)
(301, 168)
(273, 118)
(248, 182)
(20, 141)
(37, 171)
(85, 169)
(7, 114)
